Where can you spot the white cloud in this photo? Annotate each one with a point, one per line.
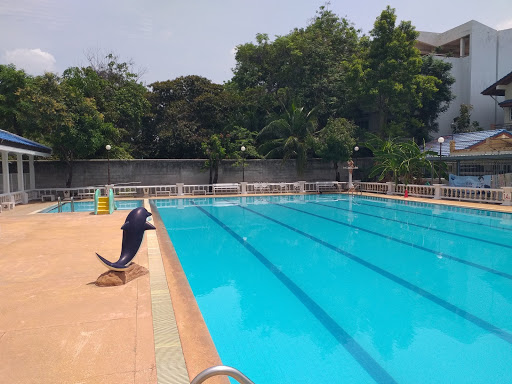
(33, 61)
(506, 24)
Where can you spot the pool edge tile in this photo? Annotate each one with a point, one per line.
(196, 343)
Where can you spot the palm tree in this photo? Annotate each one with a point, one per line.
(403, 161)
(291, 136)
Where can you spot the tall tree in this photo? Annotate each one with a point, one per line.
(335, 142)
(304, 63)
(215, 151)
(11, 81)
(118, 96)
(57, 114)
(436, 102)
(387, 72)
(187, 111)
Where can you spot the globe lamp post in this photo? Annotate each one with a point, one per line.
(108, 147)
(440, 141)
(242, 148)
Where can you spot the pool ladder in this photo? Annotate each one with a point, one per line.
(59, 205)
(223, 370)
(355, 190)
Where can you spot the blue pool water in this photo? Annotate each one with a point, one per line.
(88, 206)
(342, 289)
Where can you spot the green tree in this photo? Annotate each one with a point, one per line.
(305, 64)
(57, 114)
(403, 161)
(118, 96)
(335, 142)
(463, 123)
(290, 136)
(11, 80)
(386, 73)
(187, 111)
(215, 152)
(238, 137)
(436, 102)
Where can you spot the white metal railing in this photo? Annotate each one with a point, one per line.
(310, 187)
(197, 189)
(17, 197)
(125, 191)
(226, 188)
(261, 187)
(6, 200)
(165, 190)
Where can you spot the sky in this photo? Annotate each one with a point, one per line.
(166, 39)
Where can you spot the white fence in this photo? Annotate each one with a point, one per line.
(437, 191)
(440, 191)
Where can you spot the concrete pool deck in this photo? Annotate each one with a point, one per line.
(57, 327)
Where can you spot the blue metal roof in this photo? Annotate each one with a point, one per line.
(14, 141)
(463, 140)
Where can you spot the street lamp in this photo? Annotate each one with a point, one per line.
(242, 148)
(108, 148)
(440, 141)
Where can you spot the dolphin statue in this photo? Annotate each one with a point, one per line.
(133, 233)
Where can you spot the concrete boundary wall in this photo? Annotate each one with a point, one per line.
(163, 172)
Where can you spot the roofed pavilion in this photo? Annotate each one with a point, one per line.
(19, 146)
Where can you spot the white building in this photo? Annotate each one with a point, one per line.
(480, 56)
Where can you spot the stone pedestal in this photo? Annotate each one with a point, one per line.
(180, 188)
(350, 168)
(437, 191)
(391, 188)
(113, 278)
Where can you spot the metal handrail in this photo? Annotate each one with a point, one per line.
(72, 204)
(59, 205)
(355, 190)
(221, 370)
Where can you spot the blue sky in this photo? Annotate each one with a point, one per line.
(171, 38)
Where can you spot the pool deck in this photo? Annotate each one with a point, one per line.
(56, 326)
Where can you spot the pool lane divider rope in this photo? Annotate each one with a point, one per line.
(417, 225)
(371, 366)
(502, 334)
(441, 254)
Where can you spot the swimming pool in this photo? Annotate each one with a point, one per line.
(88, 206)
(343, 289)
